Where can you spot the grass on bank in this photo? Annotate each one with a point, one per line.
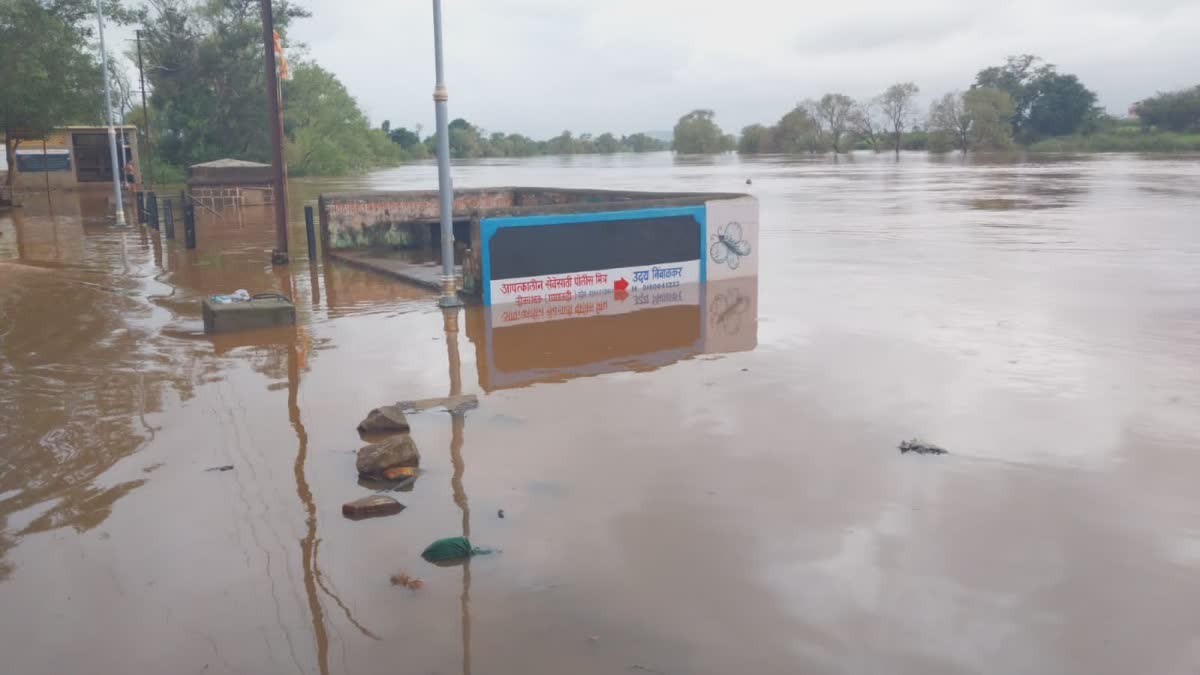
(1121, 141)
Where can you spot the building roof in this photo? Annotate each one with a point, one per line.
(228, 163)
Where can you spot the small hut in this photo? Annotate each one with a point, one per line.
(230, 182)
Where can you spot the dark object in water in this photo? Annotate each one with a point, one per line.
(451, 548)
(920, 447)
(370, 507)
(749, 182)
(227, 467)
(386, 419)
(500, 513)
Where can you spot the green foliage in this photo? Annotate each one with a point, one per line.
(327, 133)
(1173, 111)
(1045, 102)
(1062, 105)
(898, 105)
(468, 142)
(949, 123)
(990, 113)
(49, 75)
(697, 134)
(1121, 141)
(203, 63)
(834, 113)
(755, 140)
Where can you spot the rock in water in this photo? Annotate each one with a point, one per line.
(386, 420)
(375, 459)
(370, 507)
(920, 447)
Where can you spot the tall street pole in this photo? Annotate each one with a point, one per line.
(445, 187)
(275, 121)
(145, 111)
(112, 132)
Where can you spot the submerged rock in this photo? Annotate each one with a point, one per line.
(920, 447)
(370, 507)
(375, 459)
(385, 420)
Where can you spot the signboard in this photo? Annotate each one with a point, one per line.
(35, 161)
(544, 260)
(530, 260)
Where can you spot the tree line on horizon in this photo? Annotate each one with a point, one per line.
(1025, 102)
(203, 66)
(468, 141)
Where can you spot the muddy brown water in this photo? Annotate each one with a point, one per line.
(669, 508)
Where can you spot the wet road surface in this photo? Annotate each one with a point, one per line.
(709, 487)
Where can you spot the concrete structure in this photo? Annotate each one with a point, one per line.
(230, 182)
(72, 158)
(535, 246)
(228, 317)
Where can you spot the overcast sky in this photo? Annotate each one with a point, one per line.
(540, 66)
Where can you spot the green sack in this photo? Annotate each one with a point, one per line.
(450, 548)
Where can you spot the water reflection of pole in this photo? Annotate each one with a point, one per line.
(457, 423)
(309, 543)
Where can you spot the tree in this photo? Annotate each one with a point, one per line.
(696, 133)
(607, 143)
(327, 133)
(404, 138)
(1173, 111)
(866, 122)
(948, 119)
(898, 104)
(755, 139)
(48, 74)
(1062, 105)
(833, 112)
(796, 132)
(204, 65)
(1046, 102)
(640, 142)
(1017, 78)
(990, 112)
(386, 127)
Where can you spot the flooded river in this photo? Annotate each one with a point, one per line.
(669, 508)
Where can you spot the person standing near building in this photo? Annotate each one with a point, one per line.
(130, 177)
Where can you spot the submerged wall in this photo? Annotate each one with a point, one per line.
(534, 245)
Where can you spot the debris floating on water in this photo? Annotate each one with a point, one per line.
(455, 404)
(371, 507)
(227, 467)
(409, 582)
(920, 447)
(451, 548)
(500, 513)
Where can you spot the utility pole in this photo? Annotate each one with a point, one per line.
(275, 121)
(445, 186)
(112, 132)
(145, 111)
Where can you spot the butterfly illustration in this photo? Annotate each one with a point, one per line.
(729, 246)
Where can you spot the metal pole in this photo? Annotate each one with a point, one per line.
(275, 121)
(168, 218)
(145, 112)
(445, 186)
(112, 132)
(310, 234)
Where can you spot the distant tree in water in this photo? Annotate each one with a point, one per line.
(898, 105)
(1172, 111)
(949, 124)
(867, 123)
(470, 142)
(834, 112)
(1045, 102)
(989, 112)
(697, 134)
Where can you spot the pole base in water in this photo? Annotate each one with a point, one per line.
(449, 293)
(279, 257)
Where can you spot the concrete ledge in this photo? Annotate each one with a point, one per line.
(235, 316)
